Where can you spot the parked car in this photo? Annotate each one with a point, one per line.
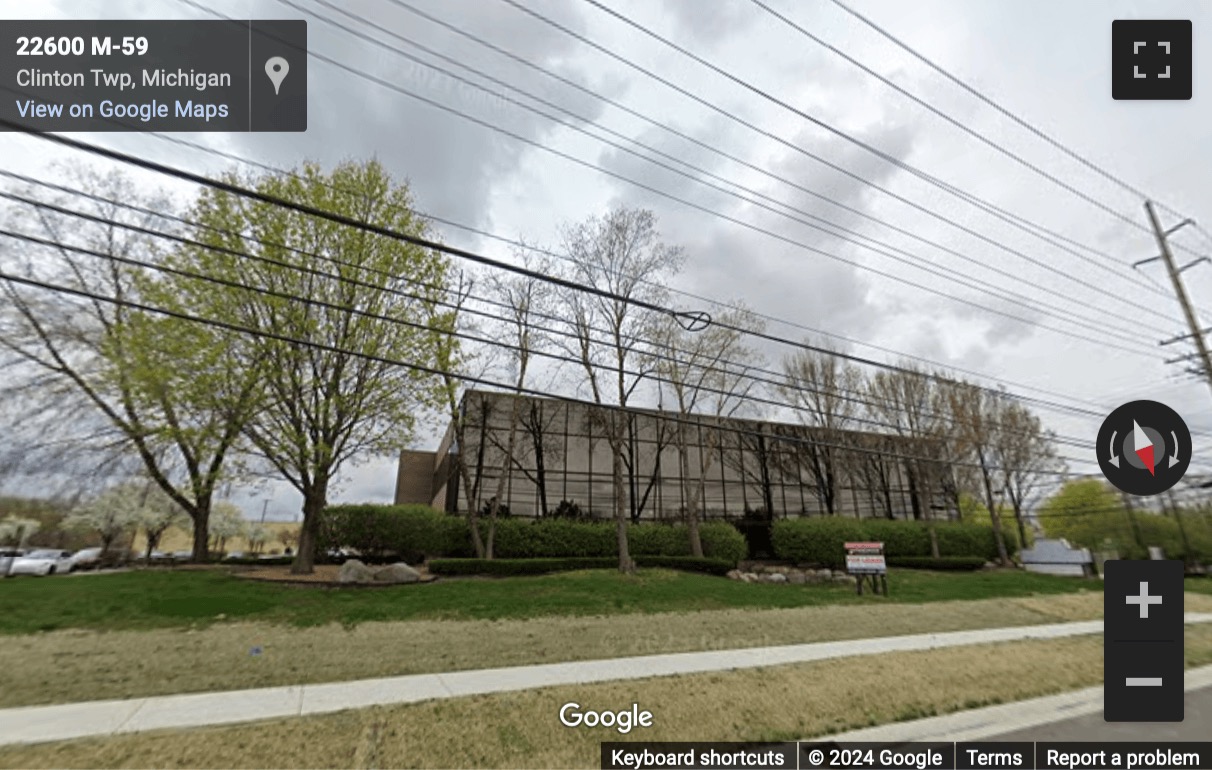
(86, 558)
(182, 555)
(234, 555)
(7, 556)
(43, 562)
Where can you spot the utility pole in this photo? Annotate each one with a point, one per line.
(1166, 256)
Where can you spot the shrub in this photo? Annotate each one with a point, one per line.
(965, 539)
(821, 540)
(450, 567)
(817, 540)
(941, 563)
(381, 532)
(721, 541)
(415, 533)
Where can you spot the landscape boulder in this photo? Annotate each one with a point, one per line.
(776, 577)
(396, 573)
(354, 571)
(797, 577)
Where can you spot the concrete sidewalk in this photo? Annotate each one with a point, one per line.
(37, 724)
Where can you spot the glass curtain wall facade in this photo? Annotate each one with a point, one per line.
(723, 467)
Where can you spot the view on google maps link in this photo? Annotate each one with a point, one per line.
(704, 384)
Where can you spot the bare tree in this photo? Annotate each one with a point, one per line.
(821, 386)
(452, 359)
(523, 299)
(707, 372)
(977, 417)
(905, 401)
(621, 254)
(1024, 450)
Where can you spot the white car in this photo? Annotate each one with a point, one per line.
(86, 558)
(43, 562)
(7, 557)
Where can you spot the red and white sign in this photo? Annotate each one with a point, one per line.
(866, 564)
(867, 547)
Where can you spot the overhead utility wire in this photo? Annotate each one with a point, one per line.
(915, 261)
(1048, 236)
(1144, 350)
(929, 107)
(681, 316)
(1099, 411)
(798, 149)
(743, 370)
(475, 380)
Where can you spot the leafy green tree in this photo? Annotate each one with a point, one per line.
(1089, 514)
(120, 382)
(340, 302)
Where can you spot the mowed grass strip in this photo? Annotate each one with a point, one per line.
(183, 598)
(522, 729)
(74, 665)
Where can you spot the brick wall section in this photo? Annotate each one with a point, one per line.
(415, 478)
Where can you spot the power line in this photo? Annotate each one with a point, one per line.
(1144, 350)
(932, 109)
(967, 196)
(989, 101)
(1099, 411)
(1129, 335)
(1049, 236)
(697, 421)
(745, 371)
(340, 219)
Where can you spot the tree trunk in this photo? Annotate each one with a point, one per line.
(692, 513)
(915, 501)
(314, 502)
(626, 565)
(995, 518)
(201, 515)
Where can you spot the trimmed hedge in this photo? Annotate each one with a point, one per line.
(416, 533)
(450, 567)
(821, 540)
(960, 563)
(379, 532)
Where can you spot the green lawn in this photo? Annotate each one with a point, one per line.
(165, 599)
(1199, 585)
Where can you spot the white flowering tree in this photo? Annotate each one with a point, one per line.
(110, 514)
(257, 536)
(156, 514)
(15, 530)
(226, 522)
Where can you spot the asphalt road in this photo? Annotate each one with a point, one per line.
(1196, 726)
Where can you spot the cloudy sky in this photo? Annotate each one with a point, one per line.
(1063, 320)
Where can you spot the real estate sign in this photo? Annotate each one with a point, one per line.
(866, 558)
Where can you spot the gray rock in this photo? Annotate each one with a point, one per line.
(824, 573)
(749, 577)
(778, 577)
(354, 571)
(842, 577)
(797, 577)
(734, 574)
(396, 573)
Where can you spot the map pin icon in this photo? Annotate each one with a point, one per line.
(277, 67)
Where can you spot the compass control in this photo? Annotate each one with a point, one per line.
(1144, 448)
